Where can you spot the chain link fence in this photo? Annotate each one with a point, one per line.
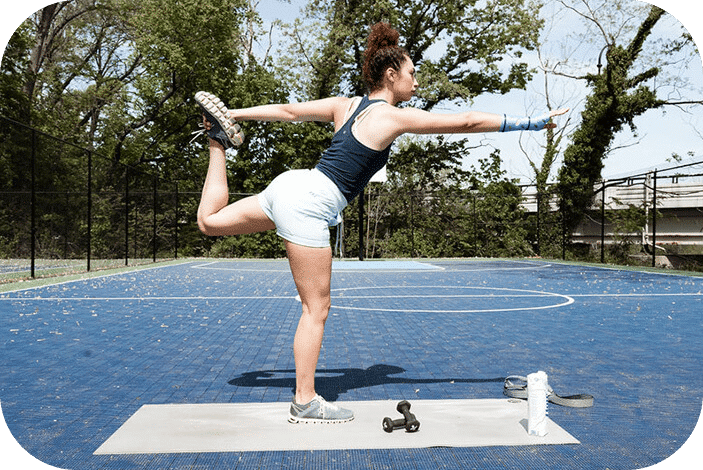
(65, 208)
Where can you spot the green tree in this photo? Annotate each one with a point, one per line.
(118, 76)
(327, 57)
(498, 219)
(619, 94)
(434, 208)
(478, 37)
(426, 200)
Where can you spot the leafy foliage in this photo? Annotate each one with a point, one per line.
(617, 98)
(116, 78)
(431, 207)
(329, 49)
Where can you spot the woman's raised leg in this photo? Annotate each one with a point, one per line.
(215, 216)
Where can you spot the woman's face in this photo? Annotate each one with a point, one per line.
(405, 84)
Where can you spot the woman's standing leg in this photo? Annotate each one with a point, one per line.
(215, 216)
(312, 273)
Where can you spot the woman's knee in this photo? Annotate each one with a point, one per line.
(318, 309)
(207, 227)
(204, 228)
(242, 217)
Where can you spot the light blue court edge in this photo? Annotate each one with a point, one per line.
(383, 265)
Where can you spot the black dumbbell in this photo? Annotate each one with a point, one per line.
(409, 422)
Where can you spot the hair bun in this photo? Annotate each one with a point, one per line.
(382, 35)
(385, 42)
(382, 51)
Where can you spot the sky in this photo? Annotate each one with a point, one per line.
(661, 133)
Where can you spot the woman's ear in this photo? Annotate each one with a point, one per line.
(391, 74)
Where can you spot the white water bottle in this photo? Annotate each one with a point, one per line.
(537, 389)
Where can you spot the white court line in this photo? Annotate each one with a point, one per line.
(208, 266)
(510, 293)
(63, 299)
(442, 296)
(668, 294)
(491, 269)
(252, 297)
(335, 269)
(348, 297)
(342, 294)
(484, 310)
(437, 267)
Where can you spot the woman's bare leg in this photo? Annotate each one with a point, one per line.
(215, 216)
(312, 273)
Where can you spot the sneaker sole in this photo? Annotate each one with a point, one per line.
(296, 420)
(217, 109)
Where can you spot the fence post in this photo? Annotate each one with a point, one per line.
(539, 222)
(154, 220)
(475, 224)
(654, 221)
(412, 223)
(126, 216)
(33, 202)
(175, 250)
(602, 225)
(563, 236)
(361, 226)
(90, 206)
(66, 225)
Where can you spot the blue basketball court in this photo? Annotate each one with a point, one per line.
(81, 358)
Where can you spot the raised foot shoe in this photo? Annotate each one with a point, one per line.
(318, 411)
(223, 129)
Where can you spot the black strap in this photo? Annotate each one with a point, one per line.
(515, 386)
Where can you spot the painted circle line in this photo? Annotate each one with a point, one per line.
(565, 299)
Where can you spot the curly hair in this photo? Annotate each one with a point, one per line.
(382, 52)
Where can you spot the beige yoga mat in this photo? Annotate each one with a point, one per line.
(238, 427)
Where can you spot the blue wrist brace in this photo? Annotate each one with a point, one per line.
(524, 123)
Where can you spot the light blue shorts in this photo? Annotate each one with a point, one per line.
(303, 204)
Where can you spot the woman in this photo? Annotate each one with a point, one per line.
(302, 204)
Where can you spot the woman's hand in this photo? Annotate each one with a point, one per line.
(206, 124)
(554, 113)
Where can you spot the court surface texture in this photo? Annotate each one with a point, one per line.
(189, 365)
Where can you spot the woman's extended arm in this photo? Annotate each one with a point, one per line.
(416, 121)
(325, 110)
(391, 122)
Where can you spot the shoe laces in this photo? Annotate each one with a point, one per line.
(325, 406)
(198, 133)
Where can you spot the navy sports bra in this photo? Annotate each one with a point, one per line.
(349, 163)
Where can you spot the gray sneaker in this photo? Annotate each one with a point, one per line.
(318, 411)
(223, 129)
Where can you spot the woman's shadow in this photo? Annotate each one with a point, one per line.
(331, 383)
